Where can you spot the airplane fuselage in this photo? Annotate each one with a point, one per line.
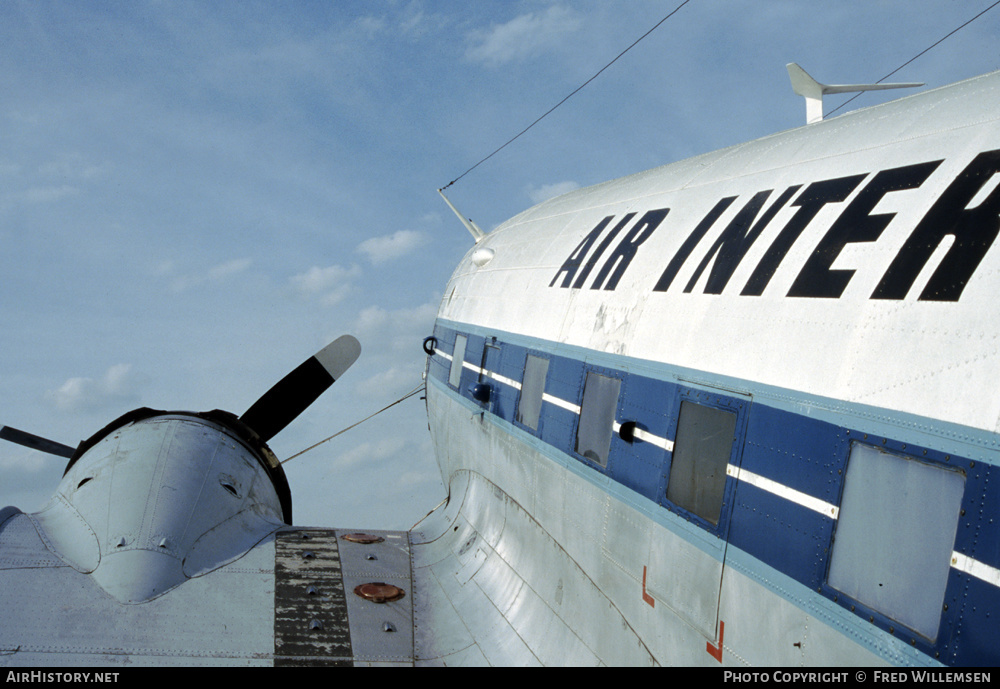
(749, 397)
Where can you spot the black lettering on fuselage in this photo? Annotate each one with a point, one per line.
(810, 203)
(572, 264)
(855, 225)
(596, 256)
(734, 242)
(974, 229)
(625, 251)
(620, 258)
(663, 284)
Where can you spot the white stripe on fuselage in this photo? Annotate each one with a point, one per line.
(782, 491)
(561, 403)
(960, 562)
(652, 439)
(964, 563)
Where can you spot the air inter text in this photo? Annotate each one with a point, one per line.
(973, 228)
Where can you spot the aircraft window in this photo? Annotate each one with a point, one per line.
(895, 535)
(597, 417)
(702, 450)
(457, 357)
(529, 407)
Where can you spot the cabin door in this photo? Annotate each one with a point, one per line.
(700, 483)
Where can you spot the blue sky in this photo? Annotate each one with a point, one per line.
(196, 196)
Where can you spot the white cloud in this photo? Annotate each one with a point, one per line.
(370, 26)
(410, 479)
(49, 182)
(391, 382)
(550, 191)
(399, 327)
(71, 166)
(27, 462)
(523, 37)
(316, 279)
(215, 274)
(393, 356)
(39, 195)
(368, 453)
(224, 270)
(388, 247)
(413, 25)
(118, 387)
(330, 285)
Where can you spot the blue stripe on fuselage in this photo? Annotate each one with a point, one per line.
(799, 442)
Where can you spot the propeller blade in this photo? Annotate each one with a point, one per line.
(36, 443)
(279, 406)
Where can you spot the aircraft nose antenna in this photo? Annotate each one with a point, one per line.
(291, 395)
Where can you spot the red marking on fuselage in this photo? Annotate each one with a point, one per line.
(712, 650)
(645, 596)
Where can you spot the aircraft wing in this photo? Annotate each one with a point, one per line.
(168, 541)
(289, 600)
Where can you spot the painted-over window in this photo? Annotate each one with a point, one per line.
(529, 406)
(702, 450)
(597, 417)
(895, 535)
(457, 358)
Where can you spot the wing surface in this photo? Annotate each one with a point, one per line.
(289, 600)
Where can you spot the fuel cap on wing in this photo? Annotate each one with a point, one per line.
(379, 592)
